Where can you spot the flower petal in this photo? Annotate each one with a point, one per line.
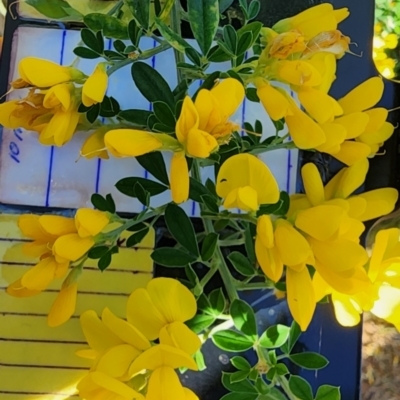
(274, 102)
(354, 123)
(189, 395)
(347, 311)
(244, 198)
(95, 87)
(313, 184)
(321, 288)
(335, 136)
(116, 361)
(200, 144)
(292, 246)
(98, 336)
(265, 231)
(379, 136)
(247, 170)
(124, 330)
(299, 73)
(301, 297)
(379, 202)
(164, 384)
(64, 305)
(94, 146)
(377, 117)
(131, 142)
(387, 306)
(56, 225)
(179, 178)
(352, 178)
(162, 355)
(352, 152)
(364, 96)
(16, 289)
(72, 247)
(188, 119)
(229, 94)
(30, 227)
(40, 276)
(180, 336)
(90, 222)
(269, 261)
(320, 222)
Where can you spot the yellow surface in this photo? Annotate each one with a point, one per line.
(38, 362)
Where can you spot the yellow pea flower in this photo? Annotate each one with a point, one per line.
(273, 100)
(94, 145)
(285, 44)
(97, 384)
(44, 73)
(245, 182)
(114, 343)
(363, 207)
(164, 382)
(325, 64)
(217, 105)
(313, 21)
(164, 301)
(333, 42)
(64, 305)
(95, 87)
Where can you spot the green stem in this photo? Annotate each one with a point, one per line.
(176, 27)
(143, 56)
(209, 228)
(207, 277)
(227, 243)
(285, 386)
(116, 8)
(242, 286)
(261, 150)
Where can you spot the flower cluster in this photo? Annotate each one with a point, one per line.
(126, 364)
(58, 242)
(54, 95)
(318, 240)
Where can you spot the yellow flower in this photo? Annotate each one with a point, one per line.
(179, 180)
(164, 301)
(114, 343)
(94, 145)
(95, 87)
(363, 123)
(164, 382)
(64, 305)
(245, 182)
(44, 73)
(333, 42)
(363, 207)
(313, 21)
(217, 105)
(98, 385)
(88, 223)
(282, 45)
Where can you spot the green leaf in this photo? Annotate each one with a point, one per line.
(194, 56)
(270, 375)
(137, 237)
(154, 163)
(222, 45)
(84, 52)
(134, 33)
(240, 363)
(54, 9)
(140, 10)
(300, 388)
(224, 5)
(239, 376)
(230, 340)
(275, 394)
(113, 55)
(244, 387)
(90, 40)
(197, 190)
(141, 194)
(175, 40)
(262, 386)
(204, 20)
(111, 204)
(217, 301)
(99, 202)
(164, 114)
(127, 186)
(249, 235)
(275, 336)
(251, 94)
(281, 369)
(327, 392)
(93, 113)
(272, 357)
(200, 322)
(208, 83)
(241, 263)
(106, 259)
(210, 202)
(279, 208)
(97, 252)
(151, 84)
(309, 360)
(230, 38)
(191, 275)
(138, 117)
(240, 396)
(294, 335)
(181, 228)
(171, 257)
(244, 43)
(254, 28)
(254, 9)
(209, 245)
(216, 54)
(109, 107)
(244, 318)
(112, 27)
